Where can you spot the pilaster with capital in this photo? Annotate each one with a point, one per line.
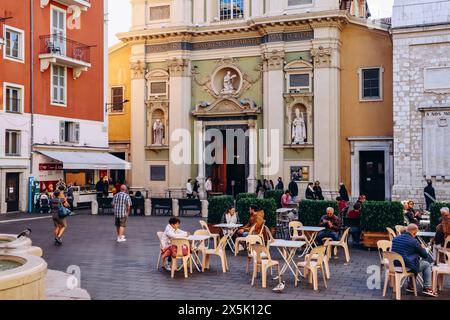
(273, 119)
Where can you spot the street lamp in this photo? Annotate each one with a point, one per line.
(112, 104)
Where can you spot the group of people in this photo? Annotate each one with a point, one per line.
(314, 191)
(193, 187)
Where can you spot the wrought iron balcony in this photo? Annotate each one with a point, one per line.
(56, 49)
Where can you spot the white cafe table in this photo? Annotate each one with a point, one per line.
(287, 250)
(195, 240)
(230, 229)
(311, 234)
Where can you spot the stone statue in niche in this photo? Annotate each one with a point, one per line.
(298, 128)
(228, 83)
(158, 132)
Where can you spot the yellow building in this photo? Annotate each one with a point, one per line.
(119, 112)
(317, 73)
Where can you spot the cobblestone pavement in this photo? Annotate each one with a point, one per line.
(128, 270)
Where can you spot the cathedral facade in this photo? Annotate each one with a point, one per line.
(300, 90)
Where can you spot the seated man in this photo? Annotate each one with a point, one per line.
(410, 249)
(256, 219)
(442, 229)
(332, 225)
(355, 216)
(172, 231)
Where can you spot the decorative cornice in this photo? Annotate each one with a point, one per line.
(322, 57)
(178, 67)
(137, 70)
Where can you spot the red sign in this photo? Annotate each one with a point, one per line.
(50, 166)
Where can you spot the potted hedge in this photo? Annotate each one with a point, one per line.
(376, 216)
(245, 195)
(268, 205)
(216, 208)
(310, 211)
(435, 213)
(276, 195)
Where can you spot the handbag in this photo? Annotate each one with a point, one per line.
(174, 250)
(63, 212)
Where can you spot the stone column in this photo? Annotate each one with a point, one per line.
(326, 54)
(253, 157)
(138, 128)
(199, 143)
(273, 103)
(179, 114)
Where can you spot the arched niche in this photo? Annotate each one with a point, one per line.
(157, 124)
(304, 110)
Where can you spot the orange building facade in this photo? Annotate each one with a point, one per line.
(52, 96)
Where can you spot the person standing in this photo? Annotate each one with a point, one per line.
(260, 190)
(208, 187)
(69, 196)
(189, 190)
(293, 189)
(280, 184)
(122, 206)
(343, 192)
(318, 191)
(309, 192)
(430, 194)
(105, 187)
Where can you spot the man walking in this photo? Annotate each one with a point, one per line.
(293, 188)
(122, 206)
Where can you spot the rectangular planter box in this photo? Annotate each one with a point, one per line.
(370, 239)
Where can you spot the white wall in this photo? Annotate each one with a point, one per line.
(418, 12)
(20, 122)
(92, 133)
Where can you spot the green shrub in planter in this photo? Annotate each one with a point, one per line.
(377, 215)
(274, 194)
(245, 195)
(268, 205)
(435, 213)
(217, 207)
(310, 211)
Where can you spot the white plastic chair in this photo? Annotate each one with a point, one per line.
(397, 274)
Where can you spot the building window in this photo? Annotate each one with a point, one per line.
(117, 99)
(160, 13)
(12, 143)
(231, 9)
(158, 173)
(158, 88)
(13, 99)
(14, 44)
(299, 82)
(293, 3)
(371, 83)
(69, 131)
(58, 85)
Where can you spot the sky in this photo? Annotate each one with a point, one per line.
(120, 15)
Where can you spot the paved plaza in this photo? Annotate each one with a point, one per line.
(128, 270)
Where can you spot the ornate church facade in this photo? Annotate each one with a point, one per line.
(316, 73)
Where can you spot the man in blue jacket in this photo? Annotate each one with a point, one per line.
(411, 250)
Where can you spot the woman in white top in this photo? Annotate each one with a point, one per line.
(189, 191)
(208, 186)
(172, 231)
(230, 217)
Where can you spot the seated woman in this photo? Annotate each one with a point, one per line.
(411, 214)
(442, 229)
(172, 231)
(230, 217)
(256, 219)
(286, 200)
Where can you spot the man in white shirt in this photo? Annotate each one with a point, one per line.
(189, 191)
(172, 231)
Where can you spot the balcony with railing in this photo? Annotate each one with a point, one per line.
(82, 4)
(56, 49)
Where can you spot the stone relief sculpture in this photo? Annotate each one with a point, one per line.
(228, 83)
(298, 128)
(158, 132)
